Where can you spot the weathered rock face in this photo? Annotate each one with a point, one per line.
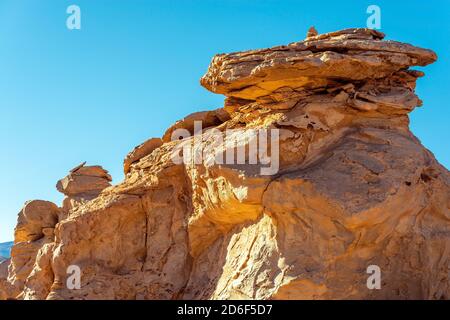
(4, 268)
(35, 229)
(4, 263)
(350, 187)
(141, 151)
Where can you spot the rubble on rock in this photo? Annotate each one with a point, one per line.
(354, 188)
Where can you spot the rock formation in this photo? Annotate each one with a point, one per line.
(83, 184)
(351, 188)
(4, 263)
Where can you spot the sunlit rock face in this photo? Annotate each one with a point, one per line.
(352, 189)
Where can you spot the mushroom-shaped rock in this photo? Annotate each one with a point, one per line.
(84, 180)
(322, 61)
(351, 188)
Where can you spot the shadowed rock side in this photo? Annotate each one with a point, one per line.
(354, 188)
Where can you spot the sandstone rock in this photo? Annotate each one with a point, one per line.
(4, 263)
(34, 218)
(353, 188)
(330, 60)
(40, 279)
(34, 229)
(82, 184)
(4, 285)
(84, 180)
(312, 32)
(207, 118)
(141, 151)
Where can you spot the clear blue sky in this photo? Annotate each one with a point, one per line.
(134, 68)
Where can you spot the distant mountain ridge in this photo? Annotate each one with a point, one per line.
(5, 249)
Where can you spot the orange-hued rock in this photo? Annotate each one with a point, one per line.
(82, 184)
(34, 230)
(347, 186)
(141, 151)
(84, 180)
(207, 118)
(4, 285)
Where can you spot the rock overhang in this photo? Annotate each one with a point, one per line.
(322, 61)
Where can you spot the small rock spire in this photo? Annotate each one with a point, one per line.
(312, 32)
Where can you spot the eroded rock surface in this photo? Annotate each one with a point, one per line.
(82, 184)
(4, 263)
(352, 188)
(141, 151)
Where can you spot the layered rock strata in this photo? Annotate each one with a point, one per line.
(352, 188)
(82, 184)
